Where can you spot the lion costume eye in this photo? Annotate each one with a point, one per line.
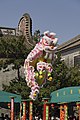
(46, 42)
(51, 47)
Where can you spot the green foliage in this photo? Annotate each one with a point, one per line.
(18, 86)
(36, 36)
(74, 76)
(13, 51)
(13, 47)
(62, 77)
(60, 72)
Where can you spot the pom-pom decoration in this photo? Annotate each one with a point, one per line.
(38, 64)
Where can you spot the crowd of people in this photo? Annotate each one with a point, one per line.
(38, 117)
(4, 117)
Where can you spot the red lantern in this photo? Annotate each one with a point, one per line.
(9, 105)
(52, 105)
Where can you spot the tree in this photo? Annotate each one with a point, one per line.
(36, 36)
(62, 75)
(18, 86)
(13, 51)
(74, 76)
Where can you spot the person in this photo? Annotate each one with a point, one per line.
(2, 116)
(36, 116)
(52, 118)
(55, 118)
(40, 118)
(6, 117)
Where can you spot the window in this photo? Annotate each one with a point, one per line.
(77, 60)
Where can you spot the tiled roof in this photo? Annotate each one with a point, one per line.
(70, 43)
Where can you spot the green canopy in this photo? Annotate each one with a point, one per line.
(6, 97)
(66, 95)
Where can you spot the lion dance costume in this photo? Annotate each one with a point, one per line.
(38, 64)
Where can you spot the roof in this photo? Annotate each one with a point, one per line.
(6, 97)
(70, 43)
(66, 95)
(7, 28)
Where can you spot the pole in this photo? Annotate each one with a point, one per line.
(30, 110)
(78, 107)
(12, 108)
(24, 110)
(45, 109)
(62, 112)
(20, 110)
(66, 112)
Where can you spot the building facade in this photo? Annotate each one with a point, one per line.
(7, 31)
(70, 51)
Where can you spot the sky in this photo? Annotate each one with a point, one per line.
(59, 16)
